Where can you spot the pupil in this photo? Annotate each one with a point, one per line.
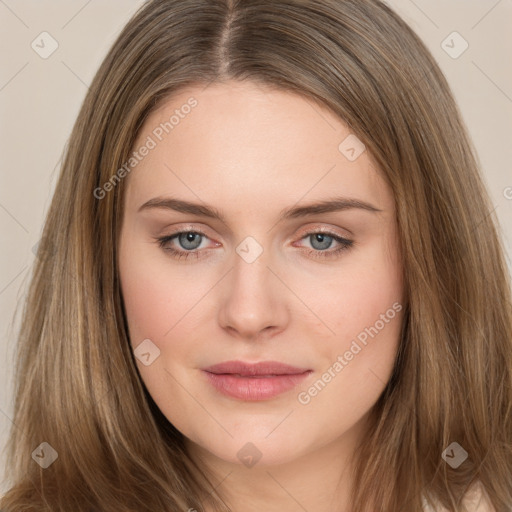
(322, 239)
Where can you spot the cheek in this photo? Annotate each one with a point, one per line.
(366, 315)
(155, 300)
(352, 296)
(147, 303)
(363, 304)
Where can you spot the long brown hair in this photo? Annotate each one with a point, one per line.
(78, 388)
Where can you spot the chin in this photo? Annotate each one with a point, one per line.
(251, 449)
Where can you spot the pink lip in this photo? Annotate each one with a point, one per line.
(257, 381)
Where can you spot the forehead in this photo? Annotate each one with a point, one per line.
(230, 142)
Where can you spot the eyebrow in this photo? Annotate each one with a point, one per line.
(203, 210)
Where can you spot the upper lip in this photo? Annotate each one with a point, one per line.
(252, 369)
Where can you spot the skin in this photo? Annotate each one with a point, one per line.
(251, 152)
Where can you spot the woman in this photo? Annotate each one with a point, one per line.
(341, 336)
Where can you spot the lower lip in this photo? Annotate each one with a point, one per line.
(254, 388)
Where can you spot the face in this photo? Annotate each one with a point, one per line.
(223, 257)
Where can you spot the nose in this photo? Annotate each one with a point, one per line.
(253, 300)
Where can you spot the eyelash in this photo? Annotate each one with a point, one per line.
(345, 245)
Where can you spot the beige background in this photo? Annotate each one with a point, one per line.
(40, 98)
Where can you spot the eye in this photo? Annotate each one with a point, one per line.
(322, 241)
(189, 243)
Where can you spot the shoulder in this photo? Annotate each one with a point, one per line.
(475, 500)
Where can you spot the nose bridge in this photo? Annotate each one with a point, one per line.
(250, 272)
(252, 302)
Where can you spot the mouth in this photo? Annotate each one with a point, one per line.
(253, 382)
